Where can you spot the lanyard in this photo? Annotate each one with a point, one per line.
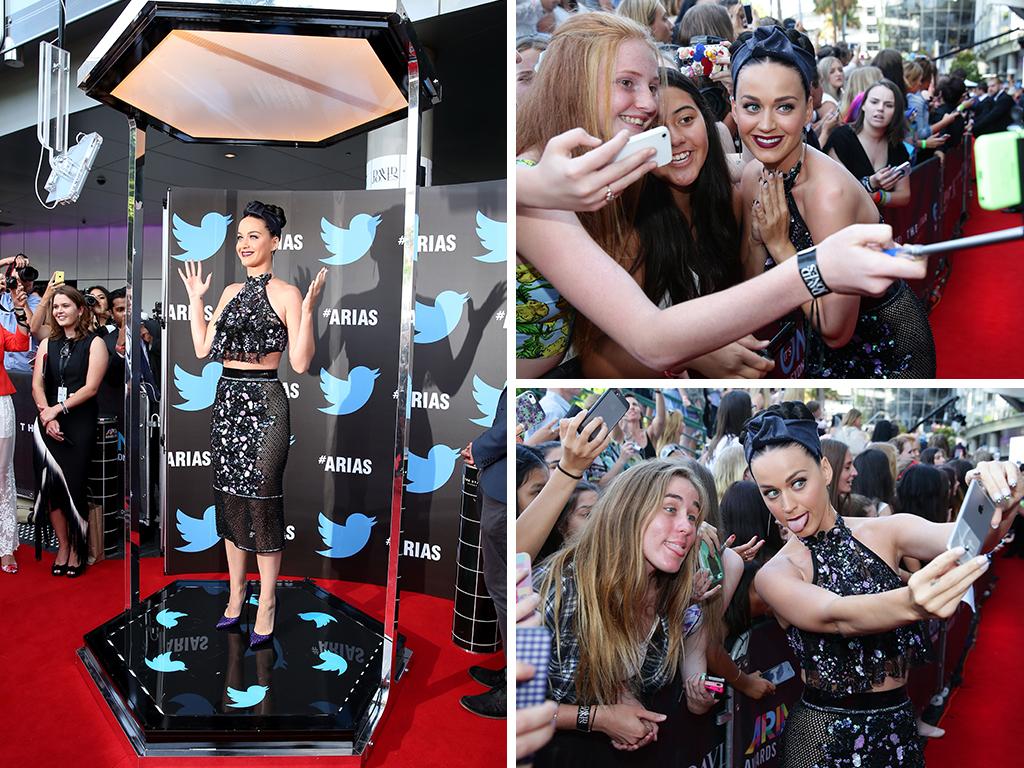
(65, 356)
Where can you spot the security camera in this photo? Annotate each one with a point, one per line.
(101, 180)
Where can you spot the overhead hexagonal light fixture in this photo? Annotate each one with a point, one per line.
(297, 73)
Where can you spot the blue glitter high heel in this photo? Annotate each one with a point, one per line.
(231, 623)
(257, 640)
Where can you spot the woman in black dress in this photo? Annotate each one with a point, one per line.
(69, 367)
(797, 196)
(249, 430)
(872, 148)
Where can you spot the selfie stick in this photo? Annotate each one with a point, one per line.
(913, 249)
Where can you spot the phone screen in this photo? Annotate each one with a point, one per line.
(748, 14)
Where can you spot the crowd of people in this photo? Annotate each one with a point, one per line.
(777, 150)
(659, 542)
(73, 344)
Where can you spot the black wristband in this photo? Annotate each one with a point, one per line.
(583, 718)
(807, 264)
(565, 472)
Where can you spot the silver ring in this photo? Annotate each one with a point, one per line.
(608, 194)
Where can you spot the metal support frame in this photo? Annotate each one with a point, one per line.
(405, 350)
(135, 428)
(134, 431)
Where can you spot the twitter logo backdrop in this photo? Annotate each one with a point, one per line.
(338, 478)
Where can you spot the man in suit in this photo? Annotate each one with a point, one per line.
(996, 117)
(488, 453)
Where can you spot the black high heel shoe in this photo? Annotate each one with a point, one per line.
(59, 570)
(74, 571)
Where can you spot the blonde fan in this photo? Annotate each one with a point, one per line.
(573, 88)
(612, 583)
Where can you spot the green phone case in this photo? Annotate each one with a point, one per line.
(996, 163)
(710, 561)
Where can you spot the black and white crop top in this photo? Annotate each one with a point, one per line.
(847, 665)
(249, 329)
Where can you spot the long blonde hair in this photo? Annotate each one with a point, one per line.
(573, 88)
(858, 82)
(824, 68)
(729, 468)
(612, 583)
(643, 12)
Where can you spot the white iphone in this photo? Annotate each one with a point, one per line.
(657, 138)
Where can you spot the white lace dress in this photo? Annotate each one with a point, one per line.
(8, 489)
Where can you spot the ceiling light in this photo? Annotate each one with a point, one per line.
(295, 73)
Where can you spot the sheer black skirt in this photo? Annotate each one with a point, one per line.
(892, 340)
(875, 730)
(249, 436)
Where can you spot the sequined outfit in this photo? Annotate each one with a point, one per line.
(892, 338)
(840, 721)
(249, 428)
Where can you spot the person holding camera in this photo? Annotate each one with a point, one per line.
(19, 273)
(16, 342)
(99, 299)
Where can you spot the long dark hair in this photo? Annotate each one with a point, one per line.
(733, 413)
(684, 259)
(891, 63)
(924, 491)
(745, 514)
(874, 478)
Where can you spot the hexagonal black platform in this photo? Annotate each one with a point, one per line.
(176, 683)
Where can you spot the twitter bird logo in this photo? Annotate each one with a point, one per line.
(200, 242)
(320, 619)
(250, 697)
(199, 534)
(345, 540)
(332, 662)
(347, 395)
(163, 663)
(349, 245)
(168, 618)
(192, 704)
(486, 398)
(492, 237)
(197, 391)
(434, 323)
(426, 475)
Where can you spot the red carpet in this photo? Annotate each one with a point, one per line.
(49, 716)
(978, 319)
(981, 720)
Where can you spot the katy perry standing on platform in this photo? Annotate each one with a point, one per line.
(249, 430)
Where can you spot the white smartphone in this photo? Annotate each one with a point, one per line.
(902, 168)
(974, 523)
(657, 138)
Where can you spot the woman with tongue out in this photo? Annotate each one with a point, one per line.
(835, 588)
(617, 600)
(797, 196)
